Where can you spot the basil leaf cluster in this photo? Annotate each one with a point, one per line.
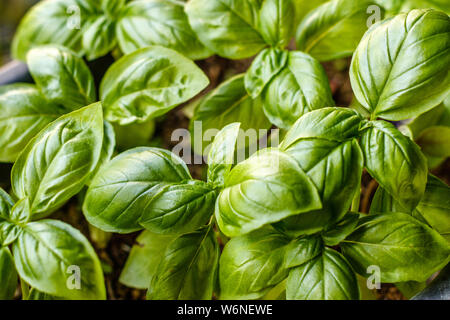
(53, 167)
(151, 188)
(285, 221)
(63, 84)
(95, 28)
(130, 93)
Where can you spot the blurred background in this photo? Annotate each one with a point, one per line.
(11, 11)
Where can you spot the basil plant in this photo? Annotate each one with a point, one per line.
(50, 256)
(285, 222)
(94, 28)
(281, 215)
(135, 89)
(283, 84)
(57, 144)
(288, 216)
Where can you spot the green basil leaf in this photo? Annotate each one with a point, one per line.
(395, 162)
(109, 143)
(21, 212)
(439, 116)
(334, 29)
(252, 264)
(112, 8)
(431, 133)
(263, 189)
(45, 254)
(240, 29)
(23, 113)
(276, 293)
(263, 69)
(6, 205)
(335, 234)
(125, 186)
(434, 207)
(302, 250)
(227, 28)
(301, 86)
(99, 37)
(303, 7)
(156, 22)
(188, 268)
(276, 21)
(179, 208)
(35, 294)
(53, 22)
(62, 76)
(441, 5)
(134, 135)
(144, 259)
(392, 6)
(435, 141)
(400, 59)
(9, 231)
(67, 151)
(8, 275)
(327, 277)
(221, 154)
(324, 145)
(333, 124)
(228, 103)
(383, 202)
(410, 288)
(335, 169)
(403, 248)
(149, 83)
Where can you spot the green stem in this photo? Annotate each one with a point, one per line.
(25, 289)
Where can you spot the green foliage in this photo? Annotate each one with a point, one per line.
(133, 91)
(188, 268)
(67, 150)
(126, 185)
(280, 223)
(403, 248)
(240, 29)
(156, 22)
(334, 29)
(266, 188)
(402, 58)
(94, 28)
(226, 104)
(329, 276)
(52, 257)
(142, 263)
(60, 246)
(290, 83)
